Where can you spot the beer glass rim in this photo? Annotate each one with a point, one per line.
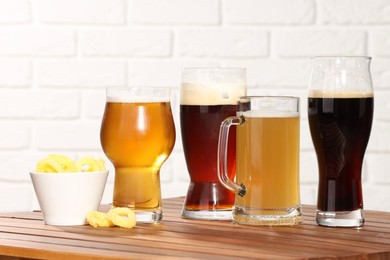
(270, 97)
(204, 69)
(138, 93)
(128, 87)
(271, 103)
(340, 57)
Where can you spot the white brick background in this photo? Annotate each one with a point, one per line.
(56, 57)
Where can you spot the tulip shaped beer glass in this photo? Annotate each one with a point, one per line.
(138, 135)
(207, 97)
(340, 108)
(267, 172)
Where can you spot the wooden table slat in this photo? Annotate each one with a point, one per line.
(25, 235)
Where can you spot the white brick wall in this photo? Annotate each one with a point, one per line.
(291, 12)
(222, 43)
(31, 41)
(175, 12)
(24, 104)
(81, 11)
(15, 72)
(126, 42)
(80, 73)
(310, 42)
(17, 11)
(57, 56)
(354, 12)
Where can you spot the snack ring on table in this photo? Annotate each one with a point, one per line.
(89, 164)
(98, 219)
(122, 217)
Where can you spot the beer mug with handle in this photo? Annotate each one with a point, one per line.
(340, 108)
(267, 157)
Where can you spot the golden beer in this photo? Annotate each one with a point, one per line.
(137, 137)
(268, 162)
(267, 173)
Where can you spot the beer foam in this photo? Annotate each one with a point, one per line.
(211, 94)
(269, 114)
(137, 100)
(341, 94)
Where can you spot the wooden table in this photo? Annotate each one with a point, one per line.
(24, 235)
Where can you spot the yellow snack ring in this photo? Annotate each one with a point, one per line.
(122, 217)
(48, 165)
(89, 164)
(101, 164)
(56, 163)
(98, 219)
(66, 163)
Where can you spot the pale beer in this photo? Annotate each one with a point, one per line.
(266, 186)
(137, 137)
(268, 162)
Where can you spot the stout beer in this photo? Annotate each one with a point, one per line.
(340, 125)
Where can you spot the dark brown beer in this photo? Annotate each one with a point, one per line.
(200, 129)
(340, 128)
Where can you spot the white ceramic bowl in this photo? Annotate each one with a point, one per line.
(66, 198)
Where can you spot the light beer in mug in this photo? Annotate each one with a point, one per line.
(267, 157)
(268, 162)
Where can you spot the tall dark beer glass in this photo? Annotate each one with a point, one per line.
(340, 108)
(207, 97)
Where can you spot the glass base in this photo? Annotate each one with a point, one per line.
(267, 217)
(148, 216)
(353, 218)
(207, 215)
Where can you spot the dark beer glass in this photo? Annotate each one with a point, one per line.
(207, 97)
(340, 108)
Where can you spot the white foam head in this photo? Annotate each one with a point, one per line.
(136, 100)
(268, 114)
(137, 95)
(340, 94)
(211, 94)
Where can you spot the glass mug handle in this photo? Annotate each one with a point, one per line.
(222, 155)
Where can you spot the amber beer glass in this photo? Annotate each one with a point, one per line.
(340, 108)
(267, 172)
(207, 97)
(138, 135)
